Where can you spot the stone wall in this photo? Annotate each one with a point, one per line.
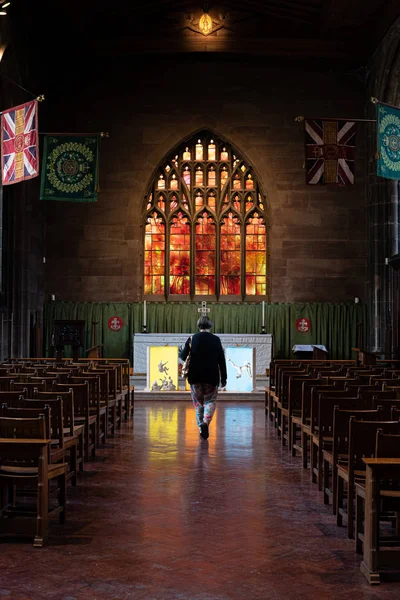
(317, 235)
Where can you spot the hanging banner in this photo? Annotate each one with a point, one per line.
(388, 142)
(330, 148)
(70, 168)
(19, 143)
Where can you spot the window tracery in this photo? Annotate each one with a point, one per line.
(205, 225)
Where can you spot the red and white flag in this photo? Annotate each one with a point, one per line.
(330, 147)
(19, 143)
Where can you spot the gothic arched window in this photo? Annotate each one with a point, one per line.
(205, 225)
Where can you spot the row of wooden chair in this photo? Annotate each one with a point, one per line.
(334, 415)
(47, 433)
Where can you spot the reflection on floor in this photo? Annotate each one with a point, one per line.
(164, 515)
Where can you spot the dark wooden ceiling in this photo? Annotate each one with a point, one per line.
(348, 30)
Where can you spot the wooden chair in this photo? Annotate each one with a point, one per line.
(308, 390)
(96, 404)
(55, 431)
(296, 411)
(316, 394)
(282, 403)
(361, 444)
(24, 450)
(62, 438)
(337, 451)
(45, 379)
(322, 434)
(73, 432)
(5, 382)
(386, 446)
(378, 394)
(115, 402)
(395, 413)
(27, 388)
(82, 414)
(11, 396)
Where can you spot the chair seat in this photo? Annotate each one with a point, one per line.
(82, 420)
(390, 494)
(70, 441)
(327, 442)
(53, 470)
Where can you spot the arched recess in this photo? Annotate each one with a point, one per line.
(210, 225)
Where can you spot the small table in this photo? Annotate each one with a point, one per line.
(376, 468)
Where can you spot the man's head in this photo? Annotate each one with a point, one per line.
(204, 323)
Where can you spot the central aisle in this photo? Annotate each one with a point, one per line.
(164, 515)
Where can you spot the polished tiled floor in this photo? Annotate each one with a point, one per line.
(163, 515)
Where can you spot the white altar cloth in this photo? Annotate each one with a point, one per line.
(261, 342)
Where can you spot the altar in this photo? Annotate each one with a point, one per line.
(261, 342)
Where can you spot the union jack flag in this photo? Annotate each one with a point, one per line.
(19, 143)
(330, 151)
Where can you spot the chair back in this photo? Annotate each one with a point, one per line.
(67, 402)
(362, 439)
(81, 396)
(25, 428)
(387, 445)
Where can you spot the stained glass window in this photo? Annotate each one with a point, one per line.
(179, 255)
(205, 224)
(205, 242)
(154, 255)
(230, 255)
(256, 260)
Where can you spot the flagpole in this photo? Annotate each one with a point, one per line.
(103, 134)
(301, 118)
(376, 101)
(39, 99)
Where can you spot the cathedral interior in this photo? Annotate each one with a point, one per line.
(236, 166)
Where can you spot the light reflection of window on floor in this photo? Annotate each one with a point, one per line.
(239, 430)
(192, 433)
(163, 426)
(191, 429)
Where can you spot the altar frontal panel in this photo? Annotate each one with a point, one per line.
(240, 363)
(162, 368)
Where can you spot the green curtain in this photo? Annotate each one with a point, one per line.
(333, 325)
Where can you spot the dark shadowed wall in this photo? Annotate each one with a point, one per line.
(317, 234)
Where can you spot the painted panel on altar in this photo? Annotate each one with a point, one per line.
(162, 368)
(240, 364)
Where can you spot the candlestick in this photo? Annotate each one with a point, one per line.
(263, 314)
(144, 315)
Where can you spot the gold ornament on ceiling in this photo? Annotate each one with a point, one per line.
(204, 23)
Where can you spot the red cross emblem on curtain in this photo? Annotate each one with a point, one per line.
(115, 323)
(303, 325)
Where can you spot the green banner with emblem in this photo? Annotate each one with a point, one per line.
(388, 133)
(70, 168)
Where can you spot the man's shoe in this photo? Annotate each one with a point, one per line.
(204, 430)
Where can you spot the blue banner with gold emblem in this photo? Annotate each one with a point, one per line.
(70, 168)
(388, 133)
